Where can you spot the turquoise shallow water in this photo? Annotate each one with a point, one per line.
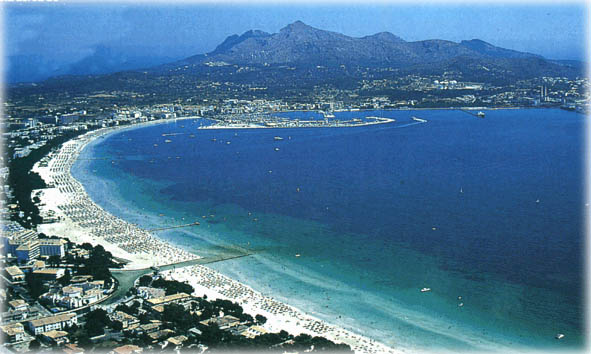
(486, 209)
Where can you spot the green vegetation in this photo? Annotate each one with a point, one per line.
(35, 285)
(22, 181)
(172, 286)
(98, 263)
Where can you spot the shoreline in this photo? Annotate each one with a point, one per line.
(82, 220)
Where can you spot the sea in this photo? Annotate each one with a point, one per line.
(350, 224)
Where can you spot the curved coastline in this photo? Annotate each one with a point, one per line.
(68, 197)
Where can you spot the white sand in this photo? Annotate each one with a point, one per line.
(279, 316)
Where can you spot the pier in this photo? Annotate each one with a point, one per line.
(196, 223)
(478, 114)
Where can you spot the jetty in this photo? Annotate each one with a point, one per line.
(479, 114)
(196, 223)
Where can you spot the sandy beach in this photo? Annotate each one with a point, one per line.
(81, 220)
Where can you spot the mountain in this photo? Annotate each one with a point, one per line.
(301, 44)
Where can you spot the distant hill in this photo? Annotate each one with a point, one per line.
(300, 57)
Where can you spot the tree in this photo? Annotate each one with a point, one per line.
(65, 280)
(96, 321)
(54, 260)
(145, 280)
(260, 319)
(35, 285)
(34, 345)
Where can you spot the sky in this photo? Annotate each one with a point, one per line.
(65, 32)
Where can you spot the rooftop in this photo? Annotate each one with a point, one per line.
(169, 298)
(51, 320)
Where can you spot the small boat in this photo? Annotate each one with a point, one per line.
(168, 141)
(276, 149)
(537, 200)
(155, 145)
(480, 114)
(417, 119)
(559, 336)
(228, 142)
(424, 290)
(297, 255)
(278, 138)
(214, 139)
(192, 136)
(461, 304)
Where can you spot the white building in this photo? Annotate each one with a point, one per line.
(57, 322)
(52, 247)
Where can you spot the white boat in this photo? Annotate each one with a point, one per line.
(559, 336)
(480, 114)
(278, 138)
(276, 149)
(168, 141)
(417, 119)
(424, 290)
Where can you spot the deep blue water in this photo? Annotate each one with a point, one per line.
(487, 209)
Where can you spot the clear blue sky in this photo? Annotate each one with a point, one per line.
(68, 32)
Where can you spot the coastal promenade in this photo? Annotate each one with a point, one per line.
(82, 220)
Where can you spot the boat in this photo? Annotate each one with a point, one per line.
(480, 114)
(168, 141)
(297, 255)
(424, 290)
(155, 145)
(278, 138)
(276, 149)
(559, 336)
(461, 304)
(417, 119)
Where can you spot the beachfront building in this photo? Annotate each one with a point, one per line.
(27, 251)
(57, 322)
(15, 236)
(180, 299)
(13, 333)
(147, 292)
(253, 331)
(52, 247)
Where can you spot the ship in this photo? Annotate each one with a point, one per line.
(480, 114)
